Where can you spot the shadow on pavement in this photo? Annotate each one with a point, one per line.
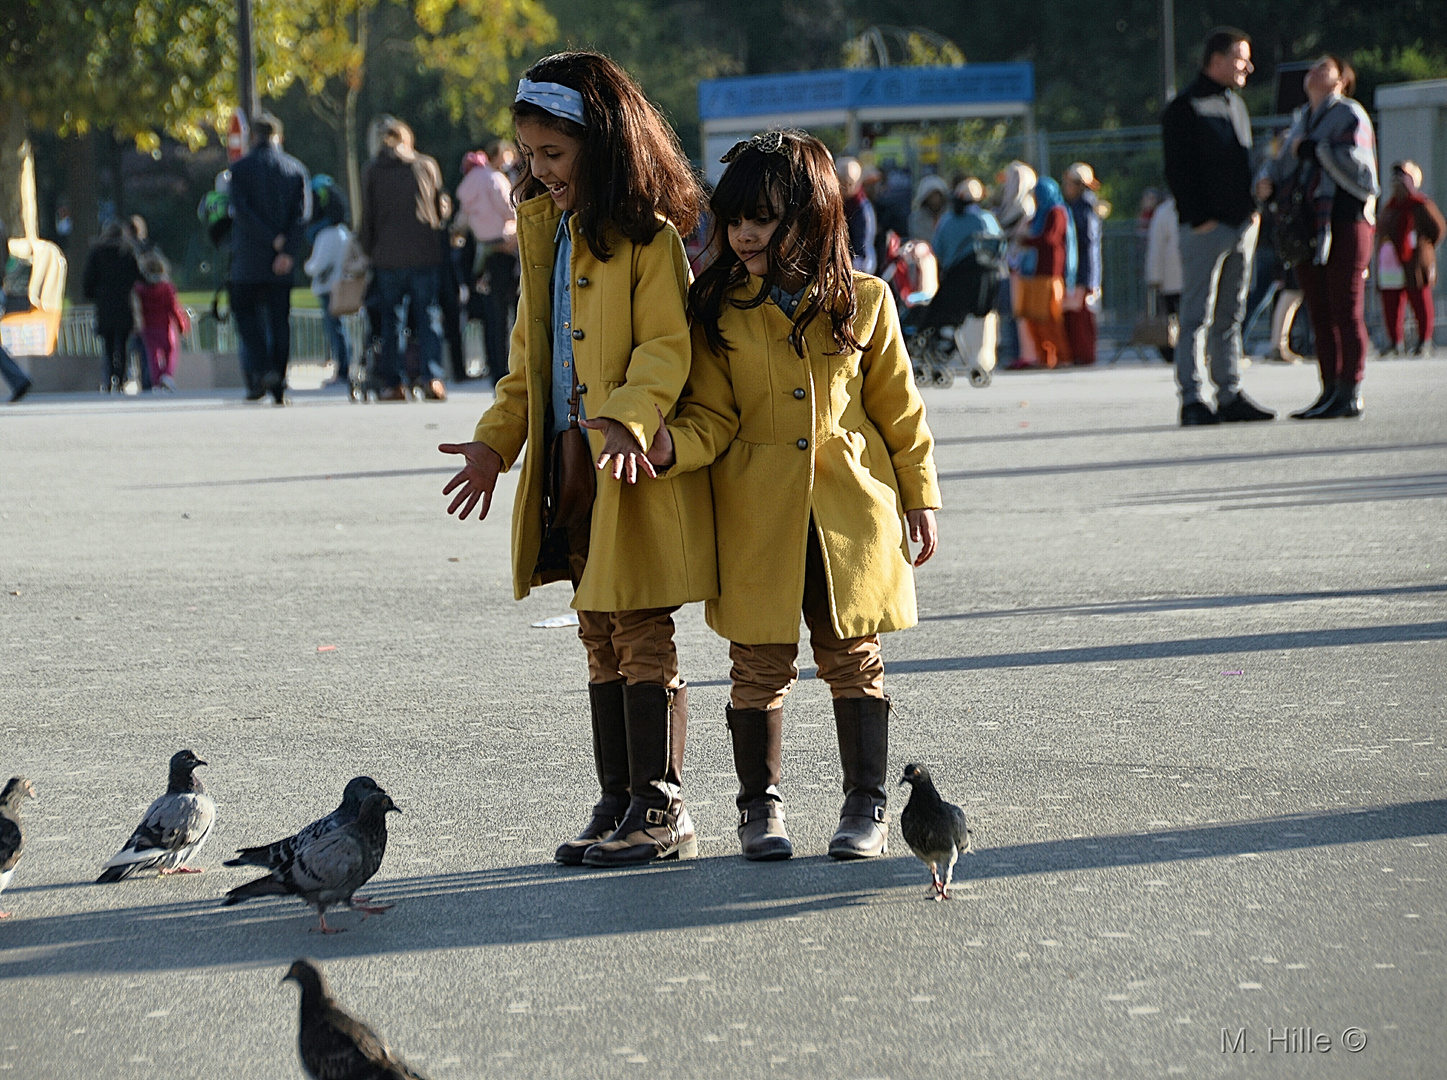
(1028, 435)
(1205, 646)
(544, 903)
(1332, 492)
(1188, 603)
(1168, 463)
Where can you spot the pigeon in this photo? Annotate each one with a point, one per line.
(173, 830)
(334, 1044)
(12, 829)
(935, 830)
(273, 855)
(331, 868)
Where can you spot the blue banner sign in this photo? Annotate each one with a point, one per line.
(821, 91)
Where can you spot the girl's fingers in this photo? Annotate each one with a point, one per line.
(471, 502)
(602, 461)
(461, 498)
(648, 467)
(486, 505)
(450, 448)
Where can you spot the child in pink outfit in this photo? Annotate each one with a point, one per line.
(162, 321)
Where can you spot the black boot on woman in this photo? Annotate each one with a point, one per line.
(863, 727)
(610, 756)
(758, 738)
(656, 825)
(1314, 410)
(1347, 404)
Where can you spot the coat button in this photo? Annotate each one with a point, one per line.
(577, 335)
(802, 444)
(799, 393)
(582, 283)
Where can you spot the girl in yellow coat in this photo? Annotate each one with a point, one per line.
(602, 312)
(801, 403)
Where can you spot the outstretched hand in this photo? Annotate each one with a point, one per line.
(923, 531)
(477, 478)
(625, 454)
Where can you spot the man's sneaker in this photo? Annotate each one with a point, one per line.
(1197, 414)
(1241, 408)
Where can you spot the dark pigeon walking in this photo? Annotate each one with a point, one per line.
(173, 830)
(270, 856)
(331, 868)
(334, 1044)
(12, 829)
(934, 829)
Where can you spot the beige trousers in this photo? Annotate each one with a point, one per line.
(763, 675)
(635, 647)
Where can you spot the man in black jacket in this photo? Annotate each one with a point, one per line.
(270, 206)
(1206, 136)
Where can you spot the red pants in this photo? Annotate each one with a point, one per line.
(1335, 297)
(1394, 312)
(1080, 333)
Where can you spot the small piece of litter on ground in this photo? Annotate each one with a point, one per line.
(552, 622)
(326, 648)
(453, 558)
(1233, 673)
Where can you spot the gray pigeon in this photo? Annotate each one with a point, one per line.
(334, 1044)
(273, 855)
(173, 830)
(12, 829)
(935, 830)
(331, 868)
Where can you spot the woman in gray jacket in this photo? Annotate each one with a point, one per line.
(1331, 154)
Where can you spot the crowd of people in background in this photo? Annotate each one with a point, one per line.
(1211, 245)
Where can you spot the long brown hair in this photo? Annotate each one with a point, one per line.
(788, 175)
(632, 168)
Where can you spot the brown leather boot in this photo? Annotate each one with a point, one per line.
(657, 825)
(610, 756)
(863, 727)
(758, 738)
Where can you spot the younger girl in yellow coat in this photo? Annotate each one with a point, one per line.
(801, 403)
(601, 321)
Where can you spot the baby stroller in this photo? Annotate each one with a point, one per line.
(953, 330)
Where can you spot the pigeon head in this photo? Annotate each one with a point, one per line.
(915, 774)
(376, 807)
(357, 789)
(307, 976)
(183, 767)
(183, 761)
(16, 789)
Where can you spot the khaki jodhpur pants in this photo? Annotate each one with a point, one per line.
(635, 647)
(763, 675)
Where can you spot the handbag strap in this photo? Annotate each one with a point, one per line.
(573, 404)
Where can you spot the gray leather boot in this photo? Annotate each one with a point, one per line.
(656, 825)
(610, 756)
(863, 727)
(758, 738)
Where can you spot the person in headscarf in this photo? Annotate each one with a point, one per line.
(1014, 206)
(930, 200)
(1047, 271)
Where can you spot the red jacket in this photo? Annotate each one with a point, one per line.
(1050, 262)
(159, 308)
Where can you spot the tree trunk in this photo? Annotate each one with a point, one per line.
(13, 147)
(355, 79)
(80, 192)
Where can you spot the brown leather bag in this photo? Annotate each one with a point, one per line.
(570, 495)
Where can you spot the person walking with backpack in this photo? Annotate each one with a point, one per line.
(1206, 138)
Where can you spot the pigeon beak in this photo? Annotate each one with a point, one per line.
(903, 781)
(200, 762)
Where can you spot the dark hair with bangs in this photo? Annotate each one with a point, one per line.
(633, 169)
(790, 175)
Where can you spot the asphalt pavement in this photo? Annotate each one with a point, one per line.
(1188, 685)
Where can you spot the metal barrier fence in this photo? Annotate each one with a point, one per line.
(208, 334)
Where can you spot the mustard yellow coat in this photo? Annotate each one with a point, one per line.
(651, 545)
(839, 438)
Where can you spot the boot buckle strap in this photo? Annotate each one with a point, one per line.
(879, 813)
(655, 816)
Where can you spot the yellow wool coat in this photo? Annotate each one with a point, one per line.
(840, 439)
(651, 544)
